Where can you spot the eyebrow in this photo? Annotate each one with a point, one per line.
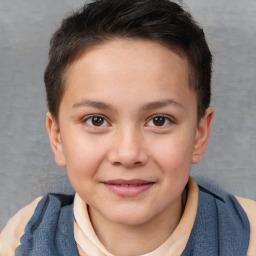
(159, 104)
(149, 106)
(91, 103)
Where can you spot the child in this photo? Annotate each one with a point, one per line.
(128, 90)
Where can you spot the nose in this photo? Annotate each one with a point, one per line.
(128, 149)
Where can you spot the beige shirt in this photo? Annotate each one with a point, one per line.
(88, 243)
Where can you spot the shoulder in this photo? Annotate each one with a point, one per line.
(51, 228)
(249, 207)
(41, 210)
(221, 216)
(14, 229)
(236, 209)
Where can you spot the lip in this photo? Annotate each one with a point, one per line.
(128, 188)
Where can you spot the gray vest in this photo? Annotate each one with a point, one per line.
(221, 227)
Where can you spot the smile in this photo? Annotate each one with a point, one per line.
(128, 188)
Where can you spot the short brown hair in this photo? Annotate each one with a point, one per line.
(161, 21)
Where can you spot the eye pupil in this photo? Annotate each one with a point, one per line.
(97, 120)
(159, 120)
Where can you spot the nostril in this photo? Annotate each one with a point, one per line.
(128, 157)
(138, 163)
(116, 163)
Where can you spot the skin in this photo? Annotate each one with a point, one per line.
(127, 83)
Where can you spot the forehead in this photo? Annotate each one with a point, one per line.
(128, 66)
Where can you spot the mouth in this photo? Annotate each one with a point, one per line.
(128, 188)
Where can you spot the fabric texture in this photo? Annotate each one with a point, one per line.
(249, 207)
(85, 235)
(50, 231)
(89, 244)
(14, 229)
(221, 227)
(219, 216)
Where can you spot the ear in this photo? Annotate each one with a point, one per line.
(202, 135)
(55, 139)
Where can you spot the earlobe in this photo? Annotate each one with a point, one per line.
(55, 139)
(202, 135)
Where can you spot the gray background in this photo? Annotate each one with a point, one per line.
(27, 165)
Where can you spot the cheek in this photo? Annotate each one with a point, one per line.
(174, 154)
(83, 155)
(84, 159)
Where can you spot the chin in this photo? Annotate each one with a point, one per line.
(130, 218)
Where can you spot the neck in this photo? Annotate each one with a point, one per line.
(128, 240)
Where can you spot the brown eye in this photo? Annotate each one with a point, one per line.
(96, 121)
(159, 120)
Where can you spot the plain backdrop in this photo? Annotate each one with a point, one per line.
(27, 164)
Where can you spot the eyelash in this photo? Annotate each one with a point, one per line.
(104, 120)
(166, 119)
(85, 120)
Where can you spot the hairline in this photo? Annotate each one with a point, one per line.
(80, 51)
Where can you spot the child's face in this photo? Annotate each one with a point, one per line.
(128, 130)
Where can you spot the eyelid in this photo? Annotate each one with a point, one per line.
(170, 119)
(86, 118)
